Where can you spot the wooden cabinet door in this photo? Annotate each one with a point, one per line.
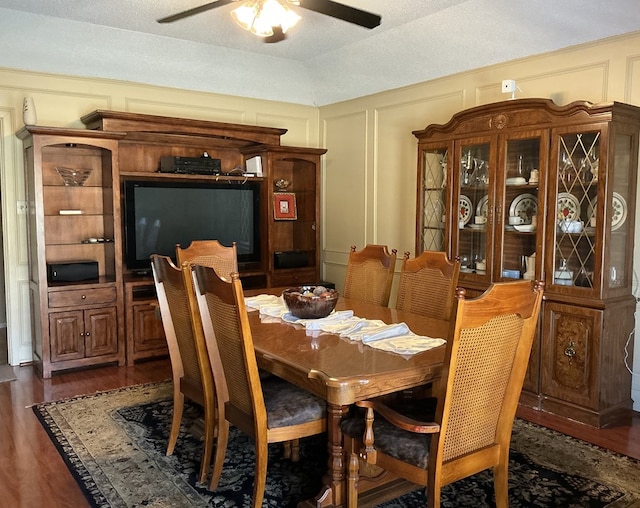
(148, 333)
(570, 353)
(66, 331)
(100, 331)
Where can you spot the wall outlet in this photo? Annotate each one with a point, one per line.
(508, 85)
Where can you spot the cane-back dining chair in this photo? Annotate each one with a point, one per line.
(428, 285)
(221, 258)
(270, 411)
(370, 274)
(467, 429)
(191, 372)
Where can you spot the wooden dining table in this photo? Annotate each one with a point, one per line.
(342, 372)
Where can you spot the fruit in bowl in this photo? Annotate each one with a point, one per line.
(310, 302)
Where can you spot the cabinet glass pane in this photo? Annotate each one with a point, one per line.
(473, 208)
(576, 209)
(434, 165)
(520, 213)
(618, 212)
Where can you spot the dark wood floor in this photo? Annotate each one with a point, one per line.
(32, 474)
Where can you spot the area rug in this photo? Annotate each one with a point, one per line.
(114, 444)
(7, 373)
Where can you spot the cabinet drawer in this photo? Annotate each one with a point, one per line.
(82, 297)
(294, 278)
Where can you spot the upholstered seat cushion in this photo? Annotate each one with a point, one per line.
(400, 444)
(289, 405)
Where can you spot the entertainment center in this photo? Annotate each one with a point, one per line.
(130, 205)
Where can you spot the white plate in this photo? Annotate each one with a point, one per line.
(568, 206)
(481, 209)
(619, 212)
(465, 209)
(518, 180)
(525, 228)
(477, 226)
(525, 206)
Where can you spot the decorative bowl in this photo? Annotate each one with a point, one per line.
(310, 302)
(73, 177)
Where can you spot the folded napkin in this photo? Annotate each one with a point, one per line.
(407, 344)
(385, 332)
(335, 318)
(255, 302)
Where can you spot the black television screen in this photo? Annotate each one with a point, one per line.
(160, 214)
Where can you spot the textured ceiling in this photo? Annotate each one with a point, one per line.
(322, 61)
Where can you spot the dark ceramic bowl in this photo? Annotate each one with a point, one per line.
(310, 302)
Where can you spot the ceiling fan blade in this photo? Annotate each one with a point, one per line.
(195, 10)
(343, 12)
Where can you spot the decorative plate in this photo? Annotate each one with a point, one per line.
(568, 207)
(619, 212)
(525, 206)
(481, 209)
(465, 209)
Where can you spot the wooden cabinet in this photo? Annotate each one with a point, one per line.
(78, 324)
(528, 189)
(73, 215)
(145, 334)
(293, 212)
(148, 138)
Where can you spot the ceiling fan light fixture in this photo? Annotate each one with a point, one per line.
(259, 16)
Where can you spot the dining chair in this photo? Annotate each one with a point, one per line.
(370, 274)
(428, 284)
(467, 428)
(270, 411)
(191, 372)
(221, 258)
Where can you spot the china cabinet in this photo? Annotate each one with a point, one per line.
(73, 215)
(528, 189)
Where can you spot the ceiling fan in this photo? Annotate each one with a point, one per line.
(256, 15)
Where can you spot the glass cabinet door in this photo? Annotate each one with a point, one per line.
(475, 204)
(433, 194)
(618, 220)
(575, 223)
(518, 217)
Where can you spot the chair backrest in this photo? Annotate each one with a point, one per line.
(428, 285)
(223, 303)
(370, 274)
(224, 260)
(484, 371)
(187, 353)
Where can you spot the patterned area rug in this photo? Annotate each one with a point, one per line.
(114, 443)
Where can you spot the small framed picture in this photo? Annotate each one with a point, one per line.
(284, 206)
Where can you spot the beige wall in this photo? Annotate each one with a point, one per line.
(370, 177)
(370, 166)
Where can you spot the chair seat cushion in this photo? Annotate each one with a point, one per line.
(289, 405)
(400, 444)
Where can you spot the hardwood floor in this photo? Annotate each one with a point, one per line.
(32, 473)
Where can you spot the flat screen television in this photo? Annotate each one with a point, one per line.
(160, 214)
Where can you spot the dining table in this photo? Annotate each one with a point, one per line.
(342, 372)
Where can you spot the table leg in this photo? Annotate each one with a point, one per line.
(333, 491)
